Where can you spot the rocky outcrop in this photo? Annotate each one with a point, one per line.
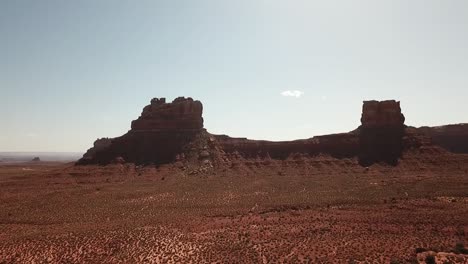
(381, 132)
(182, 113)
(381, 114)
(453, 138)
(99, 145)
(380, 138)
(157, 136)
(337, 145)
(173, 132)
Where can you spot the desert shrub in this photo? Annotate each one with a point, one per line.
(430, 259)
(460, 249)
(420, 250)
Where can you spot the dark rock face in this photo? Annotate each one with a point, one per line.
(99, 145)
(337, 145)
(380, 138)
(157, 136)
(381, 132)
(453, 138)
(173, 132)
(143, 147)
(377, 114)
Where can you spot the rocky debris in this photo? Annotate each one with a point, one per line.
(118, 160)
(381, 132)
(204, 154)
(205, 168)
(180, 157)
(414, 139)
(441, 257)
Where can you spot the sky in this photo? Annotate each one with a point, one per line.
(75, 71)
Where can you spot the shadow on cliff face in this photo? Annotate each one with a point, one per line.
(453, 138)
(142, 148)
(380, 145)
(166, 131)
(344, 145)
(158, 135)
(381, 133)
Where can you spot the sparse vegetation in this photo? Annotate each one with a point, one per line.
(314, 212)
(460, 249)
(420, 250)
(430, 259)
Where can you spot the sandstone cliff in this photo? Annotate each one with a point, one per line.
(181, 114)
(342, 145)
(157, 136)
(381, 132)
(453, 138)
(173, 132)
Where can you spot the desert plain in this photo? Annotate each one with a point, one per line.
(314, 210)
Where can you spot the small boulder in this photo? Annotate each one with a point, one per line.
(204, 154)
(118, 160)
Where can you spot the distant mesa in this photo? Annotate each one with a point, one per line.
(174, 132)
(36, 159)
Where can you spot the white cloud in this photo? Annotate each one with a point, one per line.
(294, 93)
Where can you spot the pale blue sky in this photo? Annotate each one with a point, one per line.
(73, 71)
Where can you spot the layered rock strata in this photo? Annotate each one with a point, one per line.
(157, 136)
(453, 138)
(381, 132)
(181, 114)
(173, 132)
(337, 145)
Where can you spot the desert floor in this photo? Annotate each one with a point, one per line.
(321, 210)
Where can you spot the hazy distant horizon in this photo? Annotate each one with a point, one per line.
(75, 71)
(38, 152)
(24, 156)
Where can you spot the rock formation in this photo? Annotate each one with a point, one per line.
(453, 138)
(181, 114)
(337, 145)
(382, 114)
(157, 136)
(173, 132)
(99, 145)
(381, 132)
(380, 138)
